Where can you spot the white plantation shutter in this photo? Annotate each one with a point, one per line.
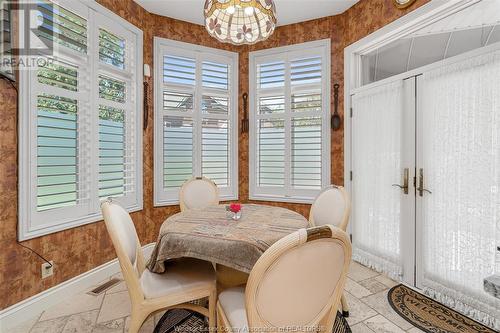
(215, 151)
(196, 113)
(5, 39)
(118, 116)
(60, 96)
(306, 153)
(290, 133)
(177, 151)
(215, 123)
(79, 119)
(179, 70)
(271, 153)
(57, 140)
(65, 26)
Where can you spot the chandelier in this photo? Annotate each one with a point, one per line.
(240, 21)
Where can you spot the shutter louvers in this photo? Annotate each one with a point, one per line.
(111, 151)
(177, 102)
(215, 151)
(57, 141)
(271, 153)
(177, 151)
(306, 102)
(306, 153)
(179, 70)
(111, 49)
(274, 104)
(271, 75)
(215, 105)
(306, 71)
(58, 75)
(116, 148)
(111, 89)
(215, 145)
(57, 137)
(215, 75)
(117, 169)
(5, 39)
(5, 28)
(62, 27)
(306, 132)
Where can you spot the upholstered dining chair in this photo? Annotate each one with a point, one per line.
(289, 287)
(184, 281)
(332, 206)
(198, 193)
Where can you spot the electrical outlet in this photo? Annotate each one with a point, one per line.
(47, 270)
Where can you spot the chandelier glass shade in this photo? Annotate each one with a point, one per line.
(240, 21)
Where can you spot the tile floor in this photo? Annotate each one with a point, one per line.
(366, 292)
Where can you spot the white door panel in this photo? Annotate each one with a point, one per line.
(383, 156)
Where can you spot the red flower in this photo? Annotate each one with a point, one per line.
(235, 207)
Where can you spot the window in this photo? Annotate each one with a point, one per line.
(471, 28)
(80, 119)
(289, 122)
(5, 40)
(196, 114)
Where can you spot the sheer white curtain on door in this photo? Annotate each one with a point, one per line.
(376, 161)
(461, 161)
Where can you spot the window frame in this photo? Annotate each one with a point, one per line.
(287, 53)
(29, 222)
(199, 54)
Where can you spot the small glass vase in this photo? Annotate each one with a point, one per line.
(236, 216)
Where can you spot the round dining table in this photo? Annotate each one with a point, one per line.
(233, 245)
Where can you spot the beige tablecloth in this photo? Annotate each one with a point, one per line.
(211, 235)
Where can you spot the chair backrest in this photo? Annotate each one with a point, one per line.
(123, 234)
(299, 280)
(198, 193)
(331, 206)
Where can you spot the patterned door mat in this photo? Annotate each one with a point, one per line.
(185, 321)
(180, 320)
(429, 315)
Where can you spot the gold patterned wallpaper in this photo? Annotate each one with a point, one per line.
(78, 250)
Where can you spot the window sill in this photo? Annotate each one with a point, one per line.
(67, 224)
(296, 200)
(165, 203)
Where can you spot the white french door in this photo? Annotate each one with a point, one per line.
(426, 180)
(458, 154)
(383, 159)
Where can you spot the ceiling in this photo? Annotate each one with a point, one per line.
(288, 11)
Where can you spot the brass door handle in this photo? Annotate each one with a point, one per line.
(421, 188)
(404, 187)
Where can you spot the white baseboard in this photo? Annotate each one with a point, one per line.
(27, 309)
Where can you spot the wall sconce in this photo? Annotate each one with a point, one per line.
(147, 74)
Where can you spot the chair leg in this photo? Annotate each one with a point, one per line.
(212, 310)
(136, 320)
(345, 306)
(220, 322)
